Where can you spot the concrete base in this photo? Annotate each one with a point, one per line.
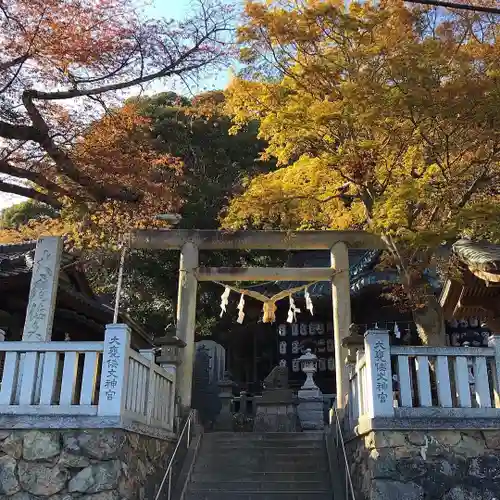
(277, 412)
(276, 418)
(277, 396)
(311, 409)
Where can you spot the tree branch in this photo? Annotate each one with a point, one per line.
(64, 163)
(37, 178)
(13, 62)
(172, 69)
(27, 192)
(18, 132)
(472, 189)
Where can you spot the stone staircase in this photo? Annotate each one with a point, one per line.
(268, 466)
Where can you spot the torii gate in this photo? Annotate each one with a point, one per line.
(189, 242)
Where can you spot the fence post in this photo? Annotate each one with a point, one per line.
(494, 341)
(150, 387)
(379, 373)
(114, 374)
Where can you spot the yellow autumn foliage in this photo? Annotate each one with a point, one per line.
(384, 116)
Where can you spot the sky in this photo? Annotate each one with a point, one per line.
(180, 9)
(170, 9)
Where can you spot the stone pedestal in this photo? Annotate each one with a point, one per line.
(310, 409)
(277, 412)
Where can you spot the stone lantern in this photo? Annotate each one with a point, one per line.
(309, 365)
(171, 351)
(354, 343)
(311, 407)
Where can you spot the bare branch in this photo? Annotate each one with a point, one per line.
(173, 69)
(13, 62)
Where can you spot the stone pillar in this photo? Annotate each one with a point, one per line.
(186, 319)
(494, 341)
(41, 302)
(43, 290)
(341, 297)
(310, 407)
(379, 373)
(114, 377)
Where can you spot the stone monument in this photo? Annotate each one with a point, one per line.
(310, 408)
(205, 396)
(277, 408)
(217, 355)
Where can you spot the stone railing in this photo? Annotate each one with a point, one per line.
(420, 382)
(106, 380)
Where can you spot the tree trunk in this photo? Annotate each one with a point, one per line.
(426, 309)
(430, 323)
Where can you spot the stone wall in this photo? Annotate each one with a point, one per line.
(426, 465)
(96, 464)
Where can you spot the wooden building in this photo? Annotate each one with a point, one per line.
(79, 314)
(471, 298)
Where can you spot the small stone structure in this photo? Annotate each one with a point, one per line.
(94, 464)
(310, 409)
(426, 464)
(277, 409)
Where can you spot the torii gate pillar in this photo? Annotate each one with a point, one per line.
(186, 319)
(341, 297)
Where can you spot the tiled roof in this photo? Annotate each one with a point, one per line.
(480, 255)
(361, 271)
(17, 258)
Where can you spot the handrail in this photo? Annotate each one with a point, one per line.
(168, 473)
(52, 346)
(339, 439)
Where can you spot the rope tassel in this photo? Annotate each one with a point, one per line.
(241, 307)
(309, 303)
(292, 311)
(224, 300)
(397, 332)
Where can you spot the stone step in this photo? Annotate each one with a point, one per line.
(265, 466)
(263, 451)
(243, 474)
(281, 444)
(262, 462)
(260, 466)
(257, 486)
(259, 436)
(261, 495)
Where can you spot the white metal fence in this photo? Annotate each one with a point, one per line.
(86, 378)
(417, 381)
